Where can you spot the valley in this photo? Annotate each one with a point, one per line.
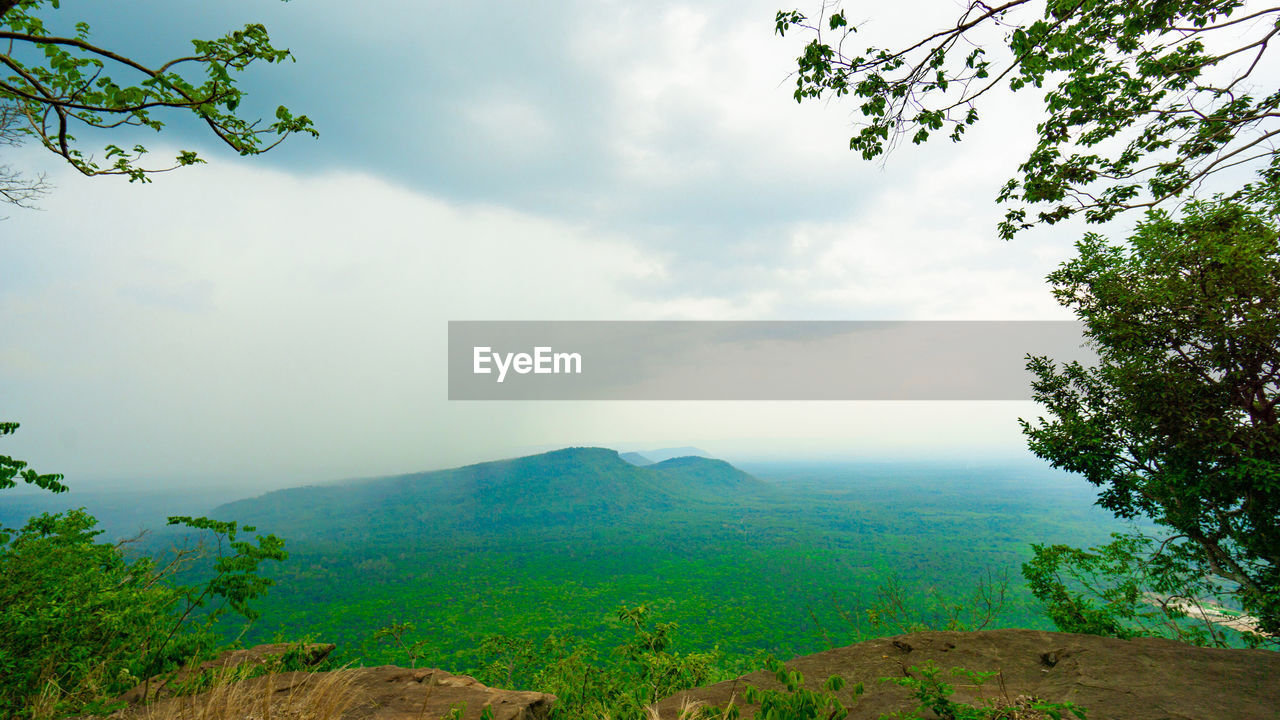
(786, 559)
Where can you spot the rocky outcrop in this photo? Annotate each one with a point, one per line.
(269, 657)
(1140, 679)
(367, 693)
(394, 693)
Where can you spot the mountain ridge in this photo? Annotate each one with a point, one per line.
(567, 486)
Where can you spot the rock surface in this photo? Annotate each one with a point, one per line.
(1140, 679)
(269, 655)
(395, 693)
(367, 693)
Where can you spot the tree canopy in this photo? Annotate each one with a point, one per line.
(53, 86)
(1142, 101)
(1178, 422)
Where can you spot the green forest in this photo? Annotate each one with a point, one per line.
(789, 568)
(500, 569)
(275, 321)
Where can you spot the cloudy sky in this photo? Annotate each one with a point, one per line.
(282, 319)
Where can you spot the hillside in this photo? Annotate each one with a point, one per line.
(635, 458)
(563, 487)
(706, 478)
(1107, 678)
(784, 563)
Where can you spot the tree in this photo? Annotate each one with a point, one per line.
(81, 621)
(15, 188)
(59, 84)
(1143, 101)
(1178, 422)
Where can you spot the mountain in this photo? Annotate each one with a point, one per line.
(668, 453)
(574, 486)
(635, 458)
(705, 478)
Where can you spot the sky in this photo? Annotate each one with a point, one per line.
(275, 320)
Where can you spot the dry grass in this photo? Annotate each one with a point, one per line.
(1019, 708)
(694, 710)
(51, 701)
(291, 696)
(45, 704)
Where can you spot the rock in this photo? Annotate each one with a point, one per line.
(375, 693)
(259, 655)
(394, 693)
(1139, 679)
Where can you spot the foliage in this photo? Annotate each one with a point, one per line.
(796, 702)
(1101, 573)
(934, 697)
(1178, 421)
(394, 633)
(73, 614)
(59, 84)
(619, 686)
(80, 621)
(1142, 101)
(1128, 587)
(512, 660)
(11, 470)
(655, 671)
(789, 574)
(895, 610)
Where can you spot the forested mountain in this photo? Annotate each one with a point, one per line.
(574, 486)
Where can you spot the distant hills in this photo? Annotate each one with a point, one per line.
(649, 457)
(635, 458)
(570, 486)
(674, 452)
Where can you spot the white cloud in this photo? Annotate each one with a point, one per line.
(239, 320)
(610, 161)
(243, 323)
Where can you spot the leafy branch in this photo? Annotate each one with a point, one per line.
(1136, 109)
(76, 83)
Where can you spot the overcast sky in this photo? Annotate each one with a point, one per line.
(282, 319)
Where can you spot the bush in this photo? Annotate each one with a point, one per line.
(73, 615)
(80, 621)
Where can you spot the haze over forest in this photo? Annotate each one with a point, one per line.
(231, 413)
(617, 167)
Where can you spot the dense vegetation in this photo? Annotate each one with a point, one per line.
(516, 570)
(612, 598)
(789, 567)
(83, 620)
(1177, 421)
